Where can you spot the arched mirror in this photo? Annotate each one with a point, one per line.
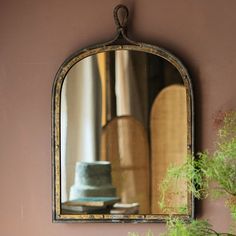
(122, 114)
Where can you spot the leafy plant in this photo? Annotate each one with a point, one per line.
(210, 173)
(207, 174)
(177, 227)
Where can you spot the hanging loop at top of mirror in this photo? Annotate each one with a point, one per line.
(121, 14)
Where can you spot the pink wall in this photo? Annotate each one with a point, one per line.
(36, 36)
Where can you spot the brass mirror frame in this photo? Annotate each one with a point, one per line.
(121, 41)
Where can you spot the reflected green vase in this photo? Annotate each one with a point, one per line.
(92, 179)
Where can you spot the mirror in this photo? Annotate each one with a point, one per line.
(122, 115)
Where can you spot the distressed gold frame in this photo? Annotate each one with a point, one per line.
(121, 41)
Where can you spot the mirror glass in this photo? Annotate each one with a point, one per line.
(123, 122)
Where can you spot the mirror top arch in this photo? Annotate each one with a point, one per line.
(139, 47)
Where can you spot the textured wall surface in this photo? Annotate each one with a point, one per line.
(36, 36)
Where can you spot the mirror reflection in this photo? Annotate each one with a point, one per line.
(123, 122)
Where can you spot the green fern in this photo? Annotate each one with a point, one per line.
(217, 169)
(177, 227)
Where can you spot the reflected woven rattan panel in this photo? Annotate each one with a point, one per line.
(125, 145)
(168, 145)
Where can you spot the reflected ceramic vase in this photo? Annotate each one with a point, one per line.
(92, 180)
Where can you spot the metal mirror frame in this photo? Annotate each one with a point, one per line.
(121, 41)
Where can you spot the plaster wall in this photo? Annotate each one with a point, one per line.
(36, 36)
